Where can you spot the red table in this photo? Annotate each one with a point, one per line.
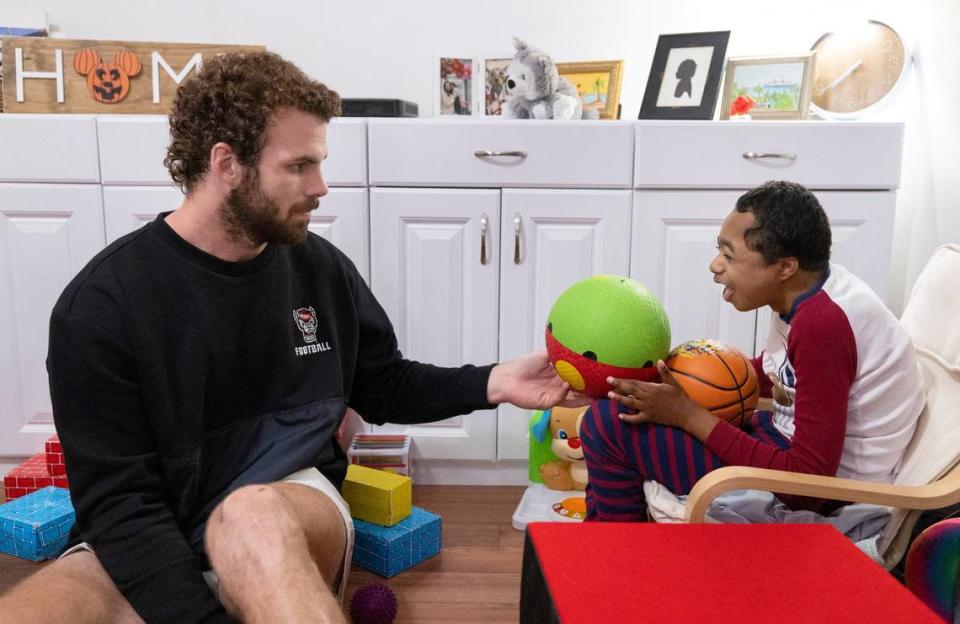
(616, 573)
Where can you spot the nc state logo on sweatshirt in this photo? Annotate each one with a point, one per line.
(306, 321)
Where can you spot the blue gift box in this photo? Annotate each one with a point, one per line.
(36, 526)
(389, 550)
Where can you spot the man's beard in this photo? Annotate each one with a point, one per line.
(249, 213)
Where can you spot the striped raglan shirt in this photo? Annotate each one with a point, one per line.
(848, 389)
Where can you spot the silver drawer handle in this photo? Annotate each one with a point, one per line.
(516, 238)
(491, 154)
(755, 155)
(483, 238)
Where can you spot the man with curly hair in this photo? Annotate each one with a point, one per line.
(200, 366)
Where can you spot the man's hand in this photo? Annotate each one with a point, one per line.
(531, 382)
(663, 403)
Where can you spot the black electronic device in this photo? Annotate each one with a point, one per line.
(367, 107)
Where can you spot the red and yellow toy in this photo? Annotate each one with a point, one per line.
(568, 471)
(606, 326)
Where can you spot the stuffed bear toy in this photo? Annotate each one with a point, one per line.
(536, 90)
(569, 471)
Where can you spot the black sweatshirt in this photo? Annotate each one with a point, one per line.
(177, 377)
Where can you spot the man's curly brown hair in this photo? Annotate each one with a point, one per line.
(232, 100)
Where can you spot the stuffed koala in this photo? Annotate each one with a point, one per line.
(536, 90)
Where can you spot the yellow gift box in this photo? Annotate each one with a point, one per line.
(377, 496)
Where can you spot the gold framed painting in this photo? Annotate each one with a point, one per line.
(768, 87)
(598, 83)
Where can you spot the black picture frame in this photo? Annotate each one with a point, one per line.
(658, 103)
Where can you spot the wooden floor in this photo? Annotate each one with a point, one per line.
(475, 578)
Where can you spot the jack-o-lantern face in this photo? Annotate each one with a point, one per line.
(107, 82)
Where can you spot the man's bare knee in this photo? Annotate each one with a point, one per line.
(255, 544)
(262, 527)
(251, 504)
(323, 525)
(252, 520)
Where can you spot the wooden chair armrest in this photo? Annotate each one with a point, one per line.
(935, 495)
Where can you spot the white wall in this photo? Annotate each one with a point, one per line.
(388, 49)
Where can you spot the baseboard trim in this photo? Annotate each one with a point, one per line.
(444, 472)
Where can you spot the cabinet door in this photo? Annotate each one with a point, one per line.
(128, 208)
(434, 269)
(341, 217)
(549, 240)
(47, 234)
(862, 227)
(675, 238)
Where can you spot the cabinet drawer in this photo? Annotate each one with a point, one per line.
(132, 149)
(346, 164)
(48, 148)
(827, 155)
(567, 154)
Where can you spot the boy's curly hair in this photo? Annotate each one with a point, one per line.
(232, 100)
(789, 223)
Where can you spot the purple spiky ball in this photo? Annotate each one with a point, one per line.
(373, 604)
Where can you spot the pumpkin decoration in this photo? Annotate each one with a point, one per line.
(109, 82)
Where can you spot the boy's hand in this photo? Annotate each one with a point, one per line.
(663, 403)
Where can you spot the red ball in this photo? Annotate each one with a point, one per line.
(606, 326)
(594, 374)
(718, 377)
(373, 604)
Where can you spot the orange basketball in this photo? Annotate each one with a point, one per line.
(718, 377)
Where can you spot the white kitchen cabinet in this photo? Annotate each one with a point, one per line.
(429, 211)
(861, 225)
(450, 308)
(49, 149)
(48, 232)
(675, 240)
(128, 208)
(341, 217)
(132, 149)
(137, 186)
(69, 184)
(549, 240)
(51, 224)
(500, 153)
(688, 177)
(470, 275)
(435, 272)
(734, 155)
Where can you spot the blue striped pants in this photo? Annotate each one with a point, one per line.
(620, 456)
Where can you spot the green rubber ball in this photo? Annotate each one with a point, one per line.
(612, 319)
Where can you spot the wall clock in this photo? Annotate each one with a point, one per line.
(858, 71)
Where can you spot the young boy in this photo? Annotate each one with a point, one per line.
(840, 369)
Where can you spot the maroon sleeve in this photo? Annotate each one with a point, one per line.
(823, 351)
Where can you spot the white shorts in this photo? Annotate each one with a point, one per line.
(310, 477)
